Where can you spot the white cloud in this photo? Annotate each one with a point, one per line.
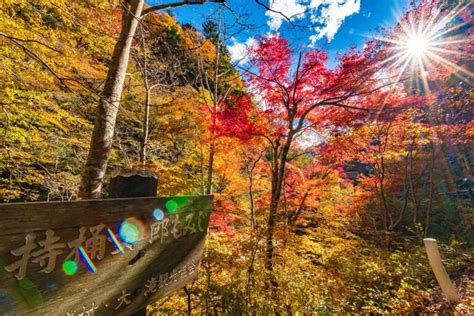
(290, 8)
(240, 52)
(326, 15)
(332, 16)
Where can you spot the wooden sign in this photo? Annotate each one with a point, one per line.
(99, 257)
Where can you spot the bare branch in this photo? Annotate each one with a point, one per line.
(176, 4)
(30, 41)
(39, 60)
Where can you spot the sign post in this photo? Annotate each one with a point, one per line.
(431, 246)
(102, 257)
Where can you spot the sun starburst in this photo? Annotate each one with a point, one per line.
(427, 39)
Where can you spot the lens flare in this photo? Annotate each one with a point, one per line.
(131, 231)
(115, 240)
(158, 214)
(87, 260)
(181, 200)
(70, 267)
(171, 206)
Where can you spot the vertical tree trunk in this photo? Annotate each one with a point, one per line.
(146, 127)
(412, 187)
(210, 169)
(271, 280)
(188, 296)
(202, 170)
(465, 160)
(216, 101)
(272, 283)
(250, 279)
(146, 112)
(250, 166)
(207, 294)
(102, 136)
(278, 174)
(270, 249)
(252, 203)
(430, 201)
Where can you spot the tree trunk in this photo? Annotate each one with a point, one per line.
(465, 160)
(210, 169)
(146, 112)
(207, 294)
(202, 170)
(270, 249)
(252, 204)
(250, 271)
(278, 174)
(250, 166)
(216, 100)
(102, 136)
(385, 210)
(146, 127)
(188, 296)
(299, 209)
(430, 202)
(412, 187)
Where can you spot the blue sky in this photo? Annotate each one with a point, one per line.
(334, 25)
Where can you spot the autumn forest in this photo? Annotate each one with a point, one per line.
(327, 170)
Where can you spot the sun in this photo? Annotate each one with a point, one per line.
(417, 45)
(425, 40)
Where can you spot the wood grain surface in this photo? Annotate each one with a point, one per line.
(157, 249)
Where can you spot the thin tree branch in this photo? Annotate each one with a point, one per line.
(176, 4)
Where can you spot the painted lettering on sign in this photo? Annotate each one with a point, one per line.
(91, 243)
(50, 248)
(124, 299)
(165, 279)
(88, 310)
(46, 256)
(151, 286)
(177, 225)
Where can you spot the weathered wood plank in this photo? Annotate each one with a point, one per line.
(36, 239)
